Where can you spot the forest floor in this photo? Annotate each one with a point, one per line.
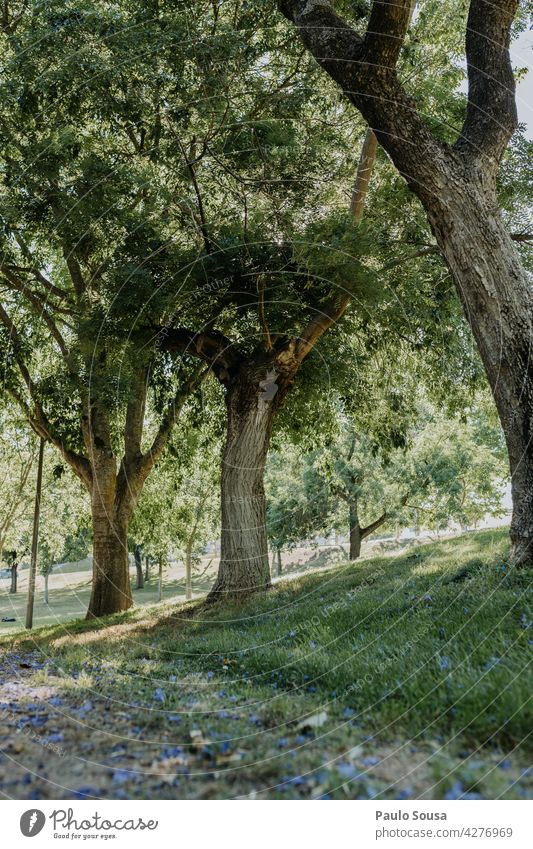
(394, 678)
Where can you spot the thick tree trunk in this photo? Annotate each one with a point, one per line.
(188, 570)
(14, 578)
(252, 399)
(111, 508)
(498, 304)
(355, 532)
(138, 567)
(111, 590)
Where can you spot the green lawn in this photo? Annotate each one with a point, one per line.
(395, 677)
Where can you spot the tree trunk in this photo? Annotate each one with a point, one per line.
(278, 557)
(146, 568)
(46, 587)
(14, 578)
(139, 567)
(252, 398)
(188, 570)
(355, 532)
(498, 304)
(160, 580)
(111, 588)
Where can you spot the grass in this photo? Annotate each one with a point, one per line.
(399, 677)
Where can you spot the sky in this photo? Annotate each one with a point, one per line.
(521, 55)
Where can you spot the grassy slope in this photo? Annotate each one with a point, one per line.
(413, 670)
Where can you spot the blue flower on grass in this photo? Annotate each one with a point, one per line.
(404, 793)
(347, 770)
(456, 791)
(120, 776)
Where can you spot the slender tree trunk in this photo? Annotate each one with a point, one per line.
(278, 557)
(251, 400)
(498, 304)
(188, 570)
(46, 587)
(35, 537)
(160, 579)
(14, 578)
(355, 531)
(139, 568)
(146, 568)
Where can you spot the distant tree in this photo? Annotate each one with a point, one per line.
(64, 511)
(448, 469)
(179, 509)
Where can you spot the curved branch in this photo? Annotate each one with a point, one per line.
(491, 116)
(38, 420)
(39, 308)
(212, 347)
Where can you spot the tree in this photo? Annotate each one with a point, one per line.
(179, 510)
(86, 238)
(444, 467)
(294, 511)
(456, 184)
(63, 506)
(18, 456)
(64, 520)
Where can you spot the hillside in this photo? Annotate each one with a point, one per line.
(394, 678)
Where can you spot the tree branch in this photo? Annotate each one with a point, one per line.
(261, 309)
(364, 173)
(491, 116)
(38, 420)
(212, 347)
(39, 308)
(365, 70)
(365, 532)
(386, 31)
(170, 418)
(133, 428)
(322, 321)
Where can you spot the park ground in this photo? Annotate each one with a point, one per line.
(393, 678)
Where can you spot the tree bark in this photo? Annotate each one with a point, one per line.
(355, 532)
(111, 588)
(138, 567)
(14, 578)
(498, 304)
(278, 558)
(252, 399)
